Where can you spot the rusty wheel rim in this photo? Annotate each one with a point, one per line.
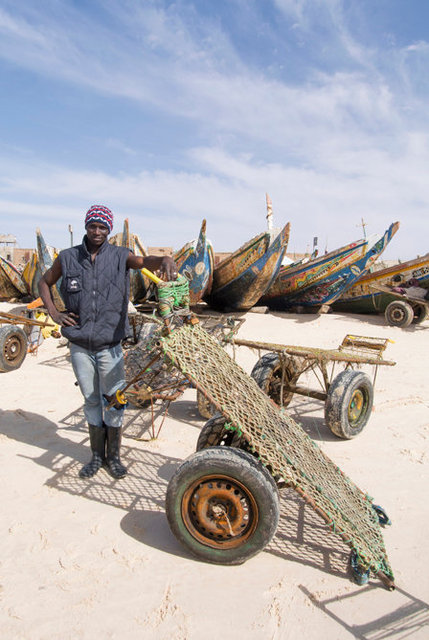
(219, 511)
(12, 349)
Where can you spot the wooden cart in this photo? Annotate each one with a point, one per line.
(348, 396)
(14, 340)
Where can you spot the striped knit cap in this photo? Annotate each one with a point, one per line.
(98, 213)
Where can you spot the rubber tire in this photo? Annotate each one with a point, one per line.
(205, 408)
(421, 313)
(236, 465)
(399, 314)
(267, 373)
(340, 396)
(214, 434)
(13, 347)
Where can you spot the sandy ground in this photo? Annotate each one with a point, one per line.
(96, 558)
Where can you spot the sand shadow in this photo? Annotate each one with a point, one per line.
(402, 616)
(301, 535)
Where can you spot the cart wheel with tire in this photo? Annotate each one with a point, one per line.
(349, 403)
(215, 434)
(13, 347)
(421, 313)
(273, 373)
(222, 505)
(399, 313)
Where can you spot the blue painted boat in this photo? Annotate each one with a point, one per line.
(195, 261)
(329, 288)
(240, 280)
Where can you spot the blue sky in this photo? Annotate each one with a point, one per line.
(171, 112)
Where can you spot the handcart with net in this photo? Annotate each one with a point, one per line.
(222, 502)
(348, 395)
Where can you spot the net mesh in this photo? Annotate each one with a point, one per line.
(279, 442)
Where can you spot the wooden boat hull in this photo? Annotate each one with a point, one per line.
(11, 281)
(195, 261)
(292, 278)
(328, 289)
(362, 298)
(139, 283)
(46, 257)
(244, 291)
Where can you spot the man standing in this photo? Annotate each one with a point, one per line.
(95, 289)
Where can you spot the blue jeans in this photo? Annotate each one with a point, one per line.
(98, 373)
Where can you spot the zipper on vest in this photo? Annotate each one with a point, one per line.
(94, 281)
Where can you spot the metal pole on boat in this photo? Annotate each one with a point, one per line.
(269, 215)
(71, 235)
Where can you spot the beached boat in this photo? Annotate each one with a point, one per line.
(139, 283)
(332, 278)
(241, 279)
(362, 297)
(45, 259)
(195, 261)
(12, 285)
(31, 275)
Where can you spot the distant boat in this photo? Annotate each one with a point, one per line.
(45, 259)
(241, 279)
(11, 283)
(195, 261)
(31, 275)
(362, 298)
(139, 283)
(324, 279)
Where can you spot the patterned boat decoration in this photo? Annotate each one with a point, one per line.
(195, 261)
(241, 279)
(12, 284)
(329, 287)
(296, 276)
(32, 274)
(361, 297)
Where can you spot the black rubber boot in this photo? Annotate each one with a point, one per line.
(113, 461)
(97, 438)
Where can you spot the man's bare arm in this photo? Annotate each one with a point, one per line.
(49, 278)
(164, 264)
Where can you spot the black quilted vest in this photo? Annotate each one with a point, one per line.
(98, 293)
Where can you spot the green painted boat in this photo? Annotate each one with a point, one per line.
(362, 298)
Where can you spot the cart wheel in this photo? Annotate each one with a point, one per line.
(13, 347)
(399, 314)
(349, 403)
(267, 372)
(222, 505)
(214, 434)
(421, 313)
(205, 408)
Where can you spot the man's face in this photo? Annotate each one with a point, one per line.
(97, 233)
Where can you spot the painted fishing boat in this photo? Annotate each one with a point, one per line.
(305, 272)
(240, 280)
(319, 294)
(362, 297)
(11, 283)
(139, 283)
(32, 274)
(45, 259)
(195, 261)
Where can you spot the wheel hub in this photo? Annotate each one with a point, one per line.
(219, 512)
(356, 407)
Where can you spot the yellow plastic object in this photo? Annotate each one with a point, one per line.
(151, 275)
(120, 397)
